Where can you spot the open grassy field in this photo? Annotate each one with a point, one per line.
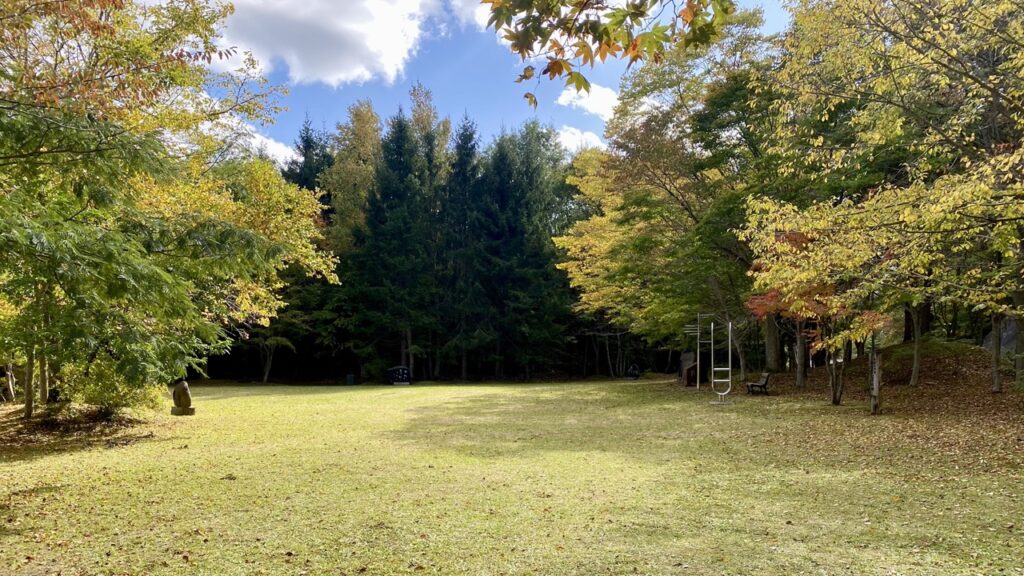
(584, 478)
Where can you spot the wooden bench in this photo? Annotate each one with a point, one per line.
(759, 387)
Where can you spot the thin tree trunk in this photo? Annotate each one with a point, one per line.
(1018, 348)
(801, 355)
(772, 347)
(668, 364)
(790, 356)
(915, 314)
(44, 379)
(997, 352)
(742, 358)
(620, 354)
(876, 382)
(267, 363)
(437, 364)
(835, 377)
(608, 355)
(951, 328)
(586, 358)
(847, 352)
(430, 366)
(9, 382)
(1018, 354)
(30, 391)
(430, 357)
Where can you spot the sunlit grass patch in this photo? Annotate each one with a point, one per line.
(587, 478)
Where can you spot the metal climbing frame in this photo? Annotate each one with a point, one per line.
(696, 330)
(719, 375)
(726, 370)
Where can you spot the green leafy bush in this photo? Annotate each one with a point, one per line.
(101, 385)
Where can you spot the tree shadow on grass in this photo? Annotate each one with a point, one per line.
(645, 420)
(46, 435)
(215, 390)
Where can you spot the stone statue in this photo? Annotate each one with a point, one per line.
(182, 399)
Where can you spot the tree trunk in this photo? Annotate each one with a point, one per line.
(621, 354)
(915, 313)
(742, 358)
(1018, 348)
(951, 328)
(997, 352)
(835, 378)
(30, 391)
(801, 355)
(9, 382)
(772, 347)
(44, 379)
(920, 314)
(847, 352)
(790, 356)
(668, 363)
(617, 357)
(860, 349)
(268, 360)
(925, 316)
(876, 382)
(1018, 354)
(608, 354)
(430, 359)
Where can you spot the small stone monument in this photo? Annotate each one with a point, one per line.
(182, 399)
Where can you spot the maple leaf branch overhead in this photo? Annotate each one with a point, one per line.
(568, 35)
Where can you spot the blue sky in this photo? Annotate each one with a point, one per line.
(332, 53)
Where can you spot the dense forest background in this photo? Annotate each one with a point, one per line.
(447, 263)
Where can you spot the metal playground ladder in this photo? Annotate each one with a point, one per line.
(726, 370)
(719, 375)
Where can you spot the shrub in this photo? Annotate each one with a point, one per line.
(101, 386)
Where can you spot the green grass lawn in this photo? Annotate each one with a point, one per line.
(587, 478)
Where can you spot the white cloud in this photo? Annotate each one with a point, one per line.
(600, 101)
(573, 139)
(280, 152)
(471, 12)
(329, 41)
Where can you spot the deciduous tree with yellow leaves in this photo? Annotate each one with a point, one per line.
(133, 231)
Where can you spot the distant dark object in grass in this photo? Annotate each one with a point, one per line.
(400, 376)
(633, 373)
(182, 399)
